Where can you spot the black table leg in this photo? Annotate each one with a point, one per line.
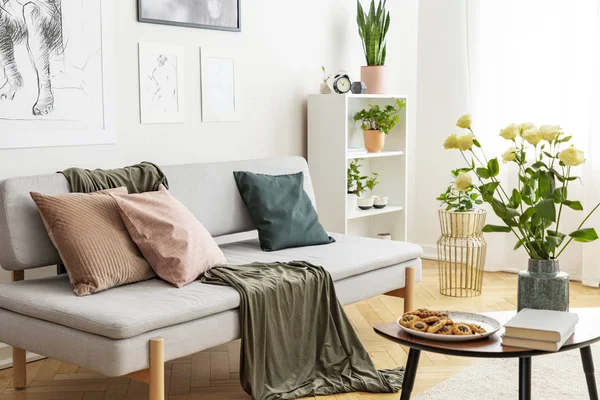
(410, 373)
(525, 378)
(588, 368)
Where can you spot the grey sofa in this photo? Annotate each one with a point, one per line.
(131, 330)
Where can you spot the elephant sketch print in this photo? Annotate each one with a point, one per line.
(51, 61)
(161, 86)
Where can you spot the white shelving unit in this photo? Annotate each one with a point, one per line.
(331, 131)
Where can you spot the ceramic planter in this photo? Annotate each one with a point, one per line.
(375, 78)
(351, 202)
(543, 286)
(374, 140)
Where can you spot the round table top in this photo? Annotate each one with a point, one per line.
(587, 332)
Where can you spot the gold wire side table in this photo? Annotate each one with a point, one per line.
(461, 253)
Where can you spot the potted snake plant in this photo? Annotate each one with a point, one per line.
(373, 28)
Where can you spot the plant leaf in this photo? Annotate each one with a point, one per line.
(575, 205)
(496, 228)
(546, 209)
(483, 173)
(584, 235)
(493, 167)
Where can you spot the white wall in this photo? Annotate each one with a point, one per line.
(280, 50)
(443, 95)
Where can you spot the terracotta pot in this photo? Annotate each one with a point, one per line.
(375, 77)
(374, 141)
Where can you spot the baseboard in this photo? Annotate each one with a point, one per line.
(429, 251)
(6, 356)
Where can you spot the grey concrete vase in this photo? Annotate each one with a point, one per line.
(543, 286)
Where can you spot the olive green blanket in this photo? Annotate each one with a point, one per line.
(139, 178)
(296, 338)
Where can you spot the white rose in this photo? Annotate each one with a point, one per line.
(532, 136)
(571, 157)
(465, 142)
(451, 142)
(463, 181)
(550, 132)
(510, 132)
(464, 121)
(509, 155)
(525, 126)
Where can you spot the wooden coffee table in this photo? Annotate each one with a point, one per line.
(586, 333)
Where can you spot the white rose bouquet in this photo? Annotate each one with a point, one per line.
(532, 210)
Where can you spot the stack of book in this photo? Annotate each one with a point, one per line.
(539, 329)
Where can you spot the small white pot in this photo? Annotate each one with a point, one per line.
(365, 203)
(380, 201)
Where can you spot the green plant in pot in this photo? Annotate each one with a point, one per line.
(358, 183)
(534, 209)
(373, 28)
(378, 121)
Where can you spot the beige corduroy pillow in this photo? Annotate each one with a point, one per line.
(92, 240)
(174, 242)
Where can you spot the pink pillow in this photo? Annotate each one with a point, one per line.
(175, 243)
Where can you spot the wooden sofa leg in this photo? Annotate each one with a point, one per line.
(157, 369)
(408, 291)
(18, 355)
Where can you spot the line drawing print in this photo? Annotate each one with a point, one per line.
(161, 84)
(50, 60)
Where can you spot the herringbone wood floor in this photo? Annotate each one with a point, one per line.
(214, 374)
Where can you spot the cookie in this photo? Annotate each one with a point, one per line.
(408, 319)
(416, 312)
(437, 326)
(445, 330)
(419, 326)
(462, 329)
(431, 320)
(477, 329)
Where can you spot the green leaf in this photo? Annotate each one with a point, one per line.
(547, 184)
(550, 232)
(476, 143)
(526, 215)
(520, 243)
(516, 198)
(584, 235)
(493, 167)
(546, 209)
(483, 173)
(538, 165)
(553, 242)
(575, 205)
(487, 191)
(503, 211)
(496, 228)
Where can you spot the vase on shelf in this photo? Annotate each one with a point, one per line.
(351, 202)
(543, 286)
(461, 253)
(375, 78)
(374, 140)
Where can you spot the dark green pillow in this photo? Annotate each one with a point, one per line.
(281, 210)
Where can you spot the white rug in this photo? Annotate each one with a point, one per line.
(553, 377)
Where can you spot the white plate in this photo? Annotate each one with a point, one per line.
(489, 324)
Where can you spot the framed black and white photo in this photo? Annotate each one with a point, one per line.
(57, 73)
(206, 14)
(161, 83)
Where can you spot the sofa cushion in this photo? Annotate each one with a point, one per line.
(131, 310)
(174, 242)
(281, 210)
(93, 243)
(348, 256)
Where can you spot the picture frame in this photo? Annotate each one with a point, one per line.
(149, 11)
(55, 126)
(220, 86)
(162, 83)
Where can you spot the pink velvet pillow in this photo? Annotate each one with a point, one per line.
(175, 243)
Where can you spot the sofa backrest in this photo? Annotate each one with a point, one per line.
(208, 190)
